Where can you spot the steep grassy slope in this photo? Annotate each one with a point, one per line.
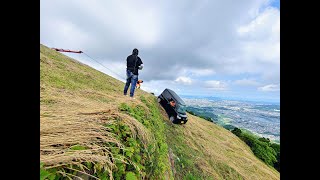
(89, 129)
(209, 151)
(82, 129)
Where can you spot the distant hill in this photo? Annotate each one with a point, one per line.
(88, 129)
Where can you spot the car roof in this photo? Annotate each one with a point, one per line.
(175, 96)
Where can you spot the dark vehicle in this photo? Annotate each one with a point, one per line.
(174, 105)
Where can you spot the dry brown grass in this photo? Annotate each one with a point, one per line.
(218, 150)
(74, 111)
(76, 120)
(70, 117)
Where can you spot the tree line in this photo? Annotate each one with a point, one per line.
(265, 150)
(261, 147)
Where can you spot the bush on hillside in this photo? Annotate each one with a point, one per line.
(261, 147)
(200, 115)
(228, 126)
(236, 131)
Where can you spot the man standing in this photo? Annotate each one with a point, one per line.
(134, 64)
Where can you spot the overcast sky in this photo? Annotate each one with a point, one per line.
(223, 48)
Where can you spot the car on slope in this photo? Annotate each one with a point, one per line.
(174, 106)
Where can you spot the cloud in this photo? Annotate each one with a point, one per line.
(184, 80)
(215, 85)
(176, 40)
(201, 72)
(260, 45)
(270, 87)
(169, 37)
(246, 82)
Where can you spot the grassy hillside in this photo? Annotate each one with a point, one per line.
(88, 129)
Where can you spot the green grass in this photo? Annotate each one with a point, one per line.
(185, 156)
(66, 73)
(78, 147)
(199, 149)
(152, 120)
(262, 147)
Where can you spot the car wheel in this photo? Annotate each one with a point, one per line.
(171, 118)
(159, 100)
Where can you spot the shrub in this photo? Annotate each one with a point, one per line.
(236, 131)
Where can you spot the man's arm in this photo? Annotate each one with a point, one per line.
(141, 64)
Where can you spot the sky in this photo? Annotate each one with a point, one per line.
(221, 48)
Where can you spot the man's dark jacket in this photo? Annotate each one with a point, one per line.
(133, 63)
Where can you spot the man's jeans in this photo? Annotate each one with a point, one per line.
(131, 78)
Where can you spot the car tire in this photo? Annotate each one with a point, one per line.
(171, 118)
(159, 100)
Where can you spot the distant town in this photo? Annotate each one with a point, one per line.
(262, 119)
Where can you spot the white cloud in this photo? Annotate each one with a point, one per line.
(260, 44)
(246, 82)
(177, 41)
(270, 87)
(184, 80)
(164, 35)
(202, 72)
(139, 27)
(252, 46)
(215, 85)
(266, 23)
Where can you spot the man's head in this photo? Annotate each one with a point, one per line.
(135, 51)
